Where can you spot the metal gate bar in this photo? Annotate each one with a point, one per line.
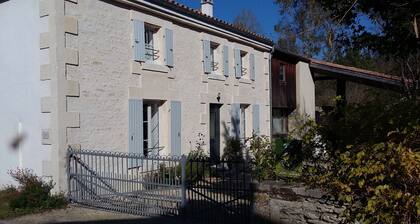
(205, 191)
(126, 182)
(219, 191)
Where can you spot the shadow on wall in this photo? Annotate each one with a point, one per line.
(233, 131)
(233, 142)
(234, 146)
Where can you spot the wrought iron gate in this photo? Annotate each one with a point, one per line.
(219, 192)
(128, 183)
(203, 190)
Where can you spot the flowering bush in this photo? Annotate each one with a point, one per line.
(32, 194)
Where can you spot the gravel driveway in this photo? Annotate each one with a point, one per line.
(74, 214)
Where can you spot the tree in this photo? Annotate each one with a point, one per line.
(389, 28)
(247, 20)
(305, 29)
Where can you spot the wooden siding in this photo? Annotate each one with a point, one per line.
(283, 92)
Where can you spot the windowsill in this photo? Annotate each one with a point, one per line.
(245, 81)
(151, 66)
(215, 76)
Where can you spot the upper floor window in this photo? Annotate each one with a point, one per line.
(150, 40)
(244, 68)
(152, 43)
(214, 56)
(211, 56)
(244, 65)
(282, 72)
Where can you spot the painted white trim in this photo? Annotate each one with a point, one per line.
(200, 24)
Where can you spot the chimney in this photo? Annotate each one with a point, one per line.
(207, 7)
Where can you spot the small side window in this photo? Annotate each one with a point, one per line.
(282, 73)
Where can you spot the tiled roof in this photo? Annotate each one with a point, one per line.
(346, 72)
(197, 14)
(356, 70)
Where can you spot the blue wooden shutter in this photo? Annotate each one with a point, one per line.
(206, 57)
(169, 42)
(139, 44)
(252, 66)
(175, 128)
(225, 60)
(256, 119)
(135, 126)
(238, 64)
(235, 120)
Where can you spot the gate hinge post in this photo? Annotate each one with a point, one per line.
(183, 182)
(69, 154)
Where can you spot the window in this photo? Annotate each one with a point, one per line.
(242, 128)
(151, 129)
(282, 72)
(150, 38)
(280, 122)
(152, 44)
(244, 70)
(213, 56)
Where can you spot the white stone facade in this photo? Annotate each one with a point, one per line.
(85, 75)
(92, 75)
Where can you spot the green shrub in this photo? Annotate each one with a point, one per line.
(368, 158)
(197, 165)
(33, 192)
(7, 194)
(277, 159)
(264, 158)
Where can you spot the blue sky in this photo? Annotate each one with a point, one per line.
(265, 10)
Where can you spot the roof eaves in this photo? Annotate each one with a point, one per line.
(280, 51)
(197, 14)
(354, 70)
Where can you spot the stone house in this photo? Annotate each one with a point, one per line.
(142, 76)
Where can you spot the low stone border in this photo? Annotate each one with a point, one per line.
(280, 202)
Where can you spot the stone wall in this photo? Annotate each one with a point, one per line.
(109, 77)
(279, 202)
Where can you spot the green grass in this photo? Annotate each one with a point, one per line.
(287, 174)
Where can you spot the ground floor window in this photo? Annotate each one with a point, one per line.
(151, 129)
(242, 128)
(280, 122)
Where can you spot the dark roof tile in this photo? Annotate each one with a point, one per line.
(176, 6)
